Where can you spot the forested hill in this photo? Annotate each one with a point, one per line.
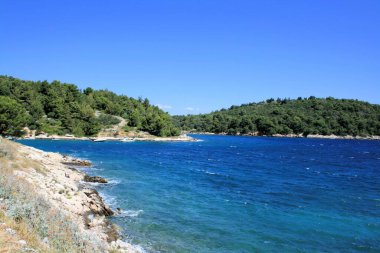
(61, 108)
(290, 116)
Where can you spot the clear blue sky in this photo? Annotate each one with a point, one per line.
(197, 56)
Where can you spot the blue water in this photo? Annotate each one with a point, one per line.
(240, 194)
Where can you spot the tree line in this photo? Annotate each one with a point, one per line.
(323, 116)
(62, 108)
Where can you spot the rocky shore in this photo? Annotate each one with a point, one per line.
(332, 136)
(54, 178)
(182, 138)
(316, 136)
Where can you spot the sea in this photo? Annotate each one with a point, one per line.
(239, 194)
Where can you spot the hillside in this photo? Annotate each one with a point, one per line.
(61, 108)
(322, 116)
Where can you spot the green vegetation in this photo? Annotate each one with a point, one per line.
(290, 116)
(61, 108)
(12, 116)
(108, 120)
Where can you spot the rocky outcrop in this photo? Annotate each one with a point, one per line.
(95, 179)
(62, 188)
(95, 203)
(71, 161)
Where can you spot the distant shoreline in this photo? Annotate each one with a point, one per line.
(310, 136)
(182, 138)
(186, 138)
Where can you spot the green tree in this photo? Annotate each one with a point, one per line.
(13, 117)
(302, 115)
(265, 126)
(135, 119)
(59, 108)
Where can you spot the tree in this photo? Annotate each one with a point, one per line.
(60, 108)
(283, 116)
(135, 119)
(296, 124)
(13, 117)
(88, 91)
(265, 126)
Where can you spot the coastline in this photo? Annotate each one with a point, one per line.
(54, 178)
(181, 138)
(310, 136)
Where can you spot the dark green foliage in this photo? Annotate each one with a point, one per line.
(60, 108)
(108, 120)
(13, 117)
(290, 116)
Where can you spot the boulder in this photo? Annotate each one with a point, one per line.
(95, 179)
(70, 161)
(96, 204)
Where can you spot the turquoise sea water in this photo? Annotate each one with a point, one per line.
(240, 194)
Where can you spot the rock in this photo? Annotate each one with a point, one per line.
(10, 231)
(22, 242)
(95, 203)
(112, 232)
(95, 179)
(29, 250)
(67, 160)
(45, 241)
(59, 186)
(73, 169)
(122, 246)
(96, 221)
(3, 153)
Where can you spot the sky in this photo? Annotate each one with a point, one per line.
(197, 56)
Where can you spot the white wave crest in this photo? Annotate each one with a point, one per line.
(130, 213)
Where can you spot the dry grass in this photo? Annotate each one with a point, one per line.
(32, 216)
(11, 158)
(9, 243)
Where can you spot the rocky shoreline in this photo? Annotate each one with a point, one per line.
(61, 185)
(181, 138)
(311, 136)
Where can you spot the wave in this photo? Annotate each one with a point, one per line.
(127, 245)
(114, 181)
(109, 199)
(211, 173)
(96, 168)
(130, 213)
(139, 248)
(86, 169)
(90, 183)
